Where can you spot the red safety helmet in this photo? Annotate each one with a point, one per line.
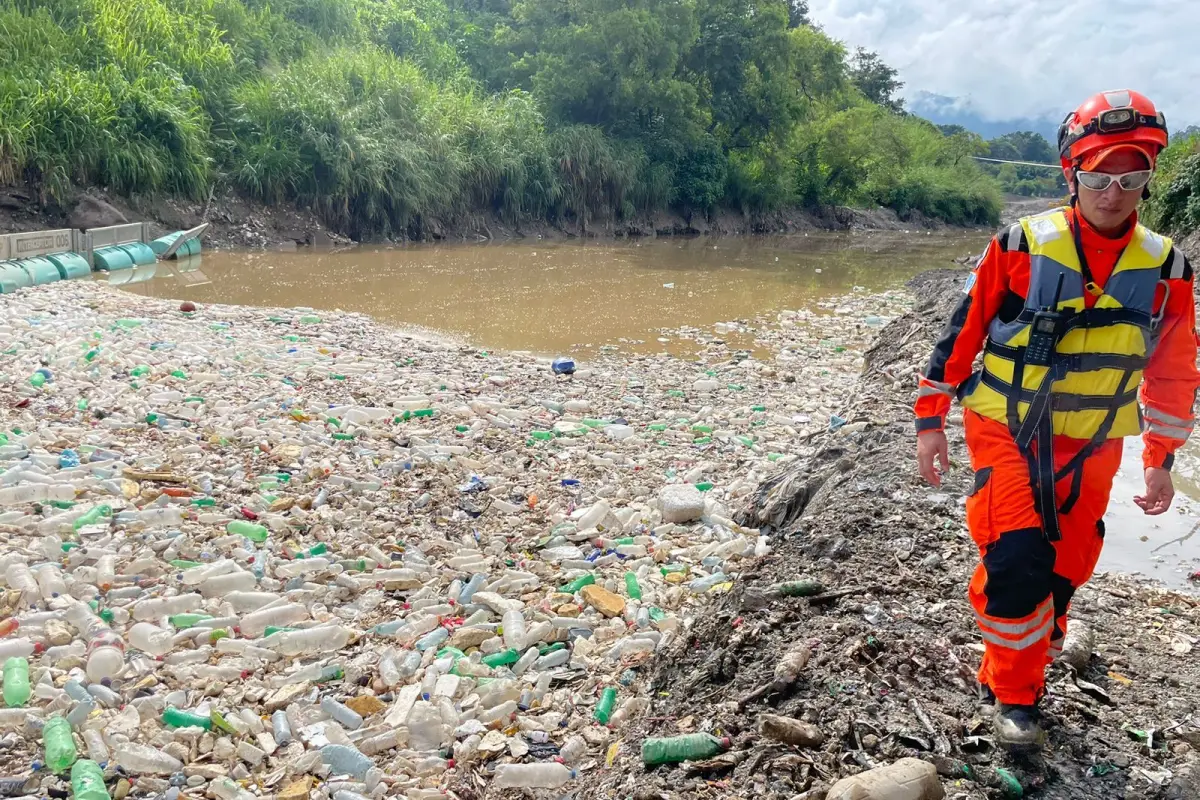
(1108, 121)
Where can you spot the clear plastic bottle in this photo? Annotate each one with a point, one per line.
(20, 579)
(425, 730)
(105, 655)
(254, 623)
(545, 775)
(151, 639)
(142, 759)
(97, 748)
(309, 641)
(281, 729)
(344, 760)
(50, 582)
(19, 648)
(341, 714)
(513, 623)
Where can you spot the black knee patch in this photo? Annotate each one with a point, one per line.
(1020, 573)
(1063, 591)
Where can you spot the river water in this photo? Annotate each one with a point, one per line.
(574, 298)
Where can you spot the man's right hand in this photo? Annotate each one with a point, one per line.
(933, 445)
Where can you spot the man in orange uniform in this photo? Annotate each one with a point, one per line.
(1074, 310)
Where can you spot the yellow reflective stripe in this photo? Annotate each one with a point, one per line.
(1020, 644)
(1167, 419)
(1017, 628)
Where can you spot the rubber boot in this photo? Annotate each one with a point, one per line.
(1018, 728)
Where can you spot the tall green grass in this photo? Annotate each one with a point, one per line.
(366, 111)
(1174, 204)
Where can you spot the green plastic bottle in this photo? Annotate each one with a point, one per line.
(631, 586)
(252, 531)
(690, 747)
(37, 380)
(604, 709)
(315, 550)
(16, 682)
(577, 584)
(59, 744)
(93, 517)
(805, 587)
(503, 658)
(184, 621)
(174, 718)
(87, 781)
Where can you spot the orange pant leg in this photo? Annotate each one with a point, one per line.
(1023, 584)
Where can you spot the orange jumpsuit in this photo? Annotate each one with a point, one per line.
(1022, 587)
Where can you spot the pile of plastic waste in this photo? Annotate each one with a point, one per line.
(254, 552)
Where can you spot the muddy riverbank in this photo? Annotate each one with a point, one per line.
(238, 223)
(894, 647)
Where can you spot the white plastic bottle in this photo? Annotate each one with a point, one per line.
(254, 623)
(20, 579)
(311, 640)
(50, 582)
(545, 775)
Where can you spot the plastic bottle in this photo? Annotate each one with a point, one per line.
(174, 718)
(59, 744)
(151, 639)
(546, 775)
(22, 648)
(50, 582)
(16, 682)
(308, 641)
(604, 708)
(344, 760)
(631, 586)
(252, 531)
(281, 729)
(689, 747)
(142, 759)
(106, 656)
(513, 623)
(906, 779)
(87, 781)
(343, 715)
(425, 730)
(20, 579)
(97, 748)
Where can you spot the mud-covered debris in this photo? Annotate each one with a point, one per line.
(906, 779)
(1078, 645)
(791, 731)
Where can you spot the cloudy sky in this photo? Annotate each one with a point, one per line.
(1031, 58)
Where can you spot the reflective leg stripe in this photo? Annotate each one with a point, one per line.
(926, 390)
(1019, 644)
(1030, 631)
(1055, 649)
(1163, 417)
(1170, 431)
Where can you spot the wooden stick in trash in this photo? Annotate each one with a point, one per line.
(160, 477)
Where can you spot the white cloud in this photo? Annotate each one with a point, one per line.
(1030, 58)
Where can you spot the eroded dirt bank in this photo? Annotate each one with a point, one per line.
(894, 648)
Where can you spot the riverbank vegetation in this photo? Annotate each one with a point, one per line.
(387, 114)
(1174, 204)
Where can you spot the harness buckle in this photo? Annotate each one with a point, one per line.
(1157, 318)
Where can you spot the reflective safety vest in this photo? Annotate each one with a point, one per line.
(1099, 360)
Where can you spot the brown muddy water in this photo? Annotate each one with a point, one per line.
(574, 298)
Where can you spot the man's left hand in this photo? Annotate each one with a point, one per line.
(1159, 492)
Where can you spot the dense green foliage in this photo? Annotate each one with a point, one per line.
(1020, 179)
(386, 114)
(1174, 204)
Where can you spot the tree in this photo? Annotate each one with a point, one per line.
(798, 14)
(875, 79)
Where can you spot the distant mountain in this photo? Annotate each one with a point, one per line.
(944, 110)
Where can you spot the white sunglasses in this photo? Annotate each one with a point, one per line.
(1129, 181)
